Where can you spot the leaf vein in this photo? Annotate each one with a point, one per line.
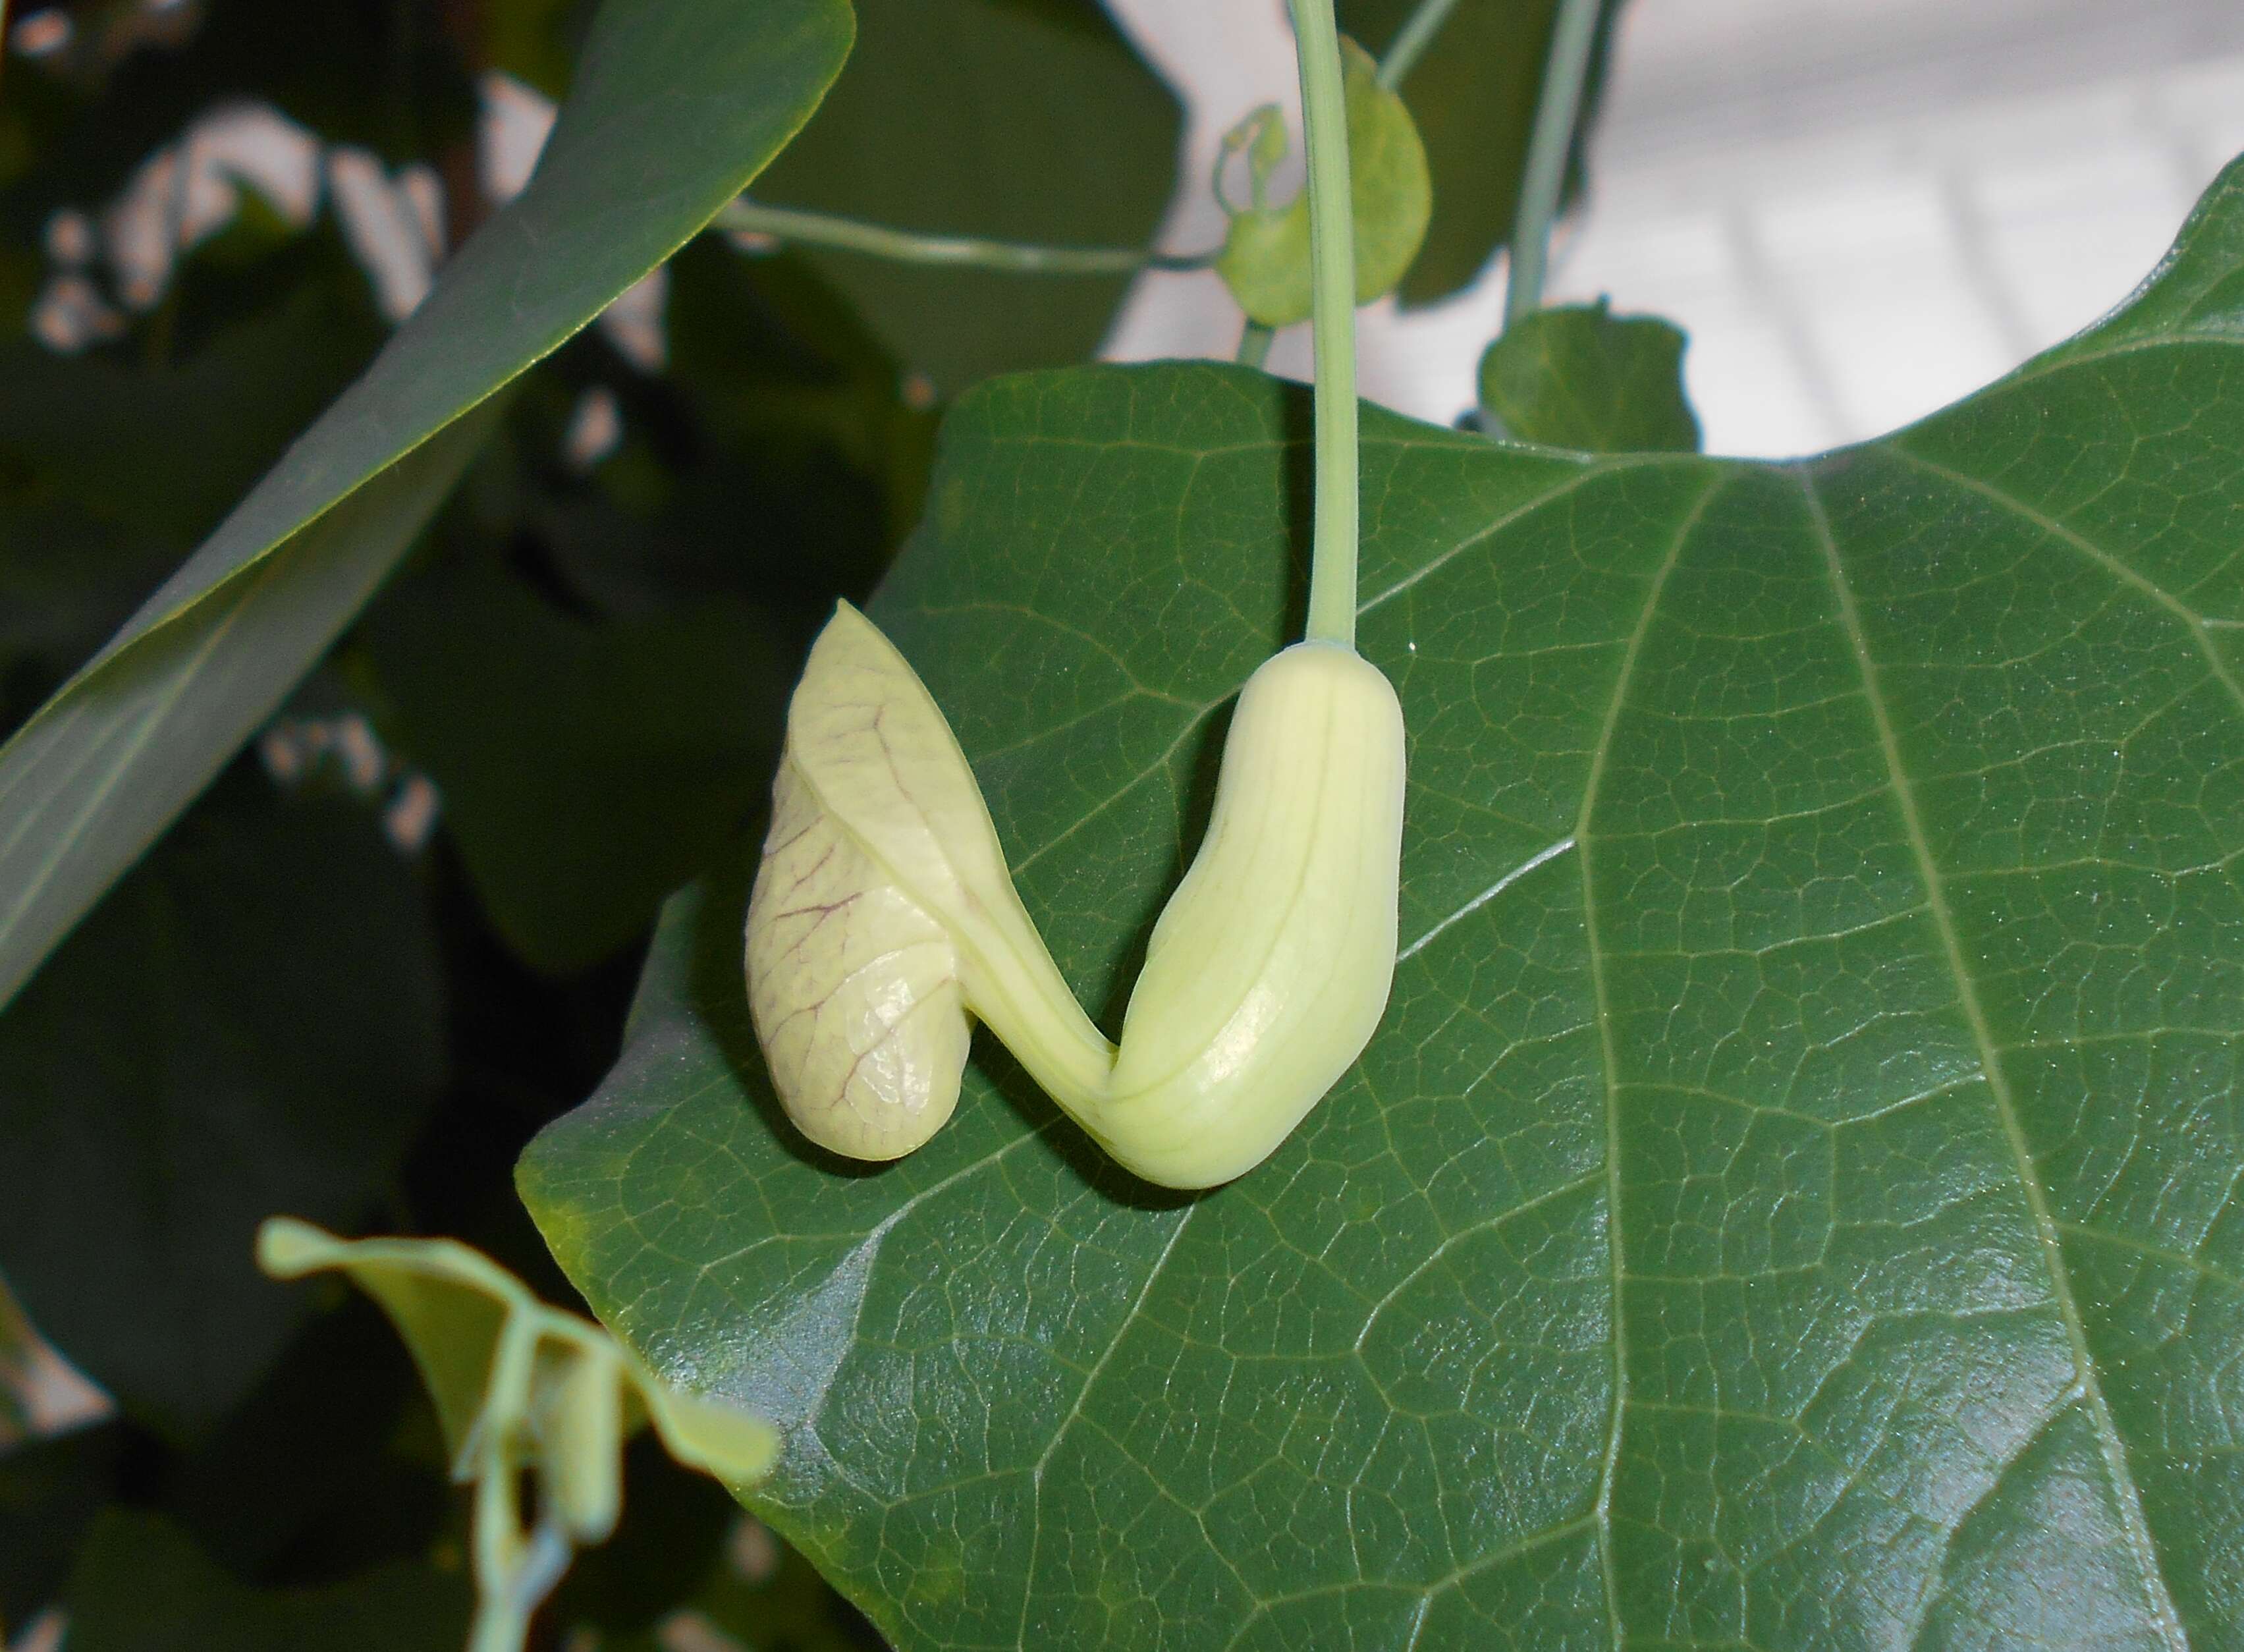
(2165, 1618)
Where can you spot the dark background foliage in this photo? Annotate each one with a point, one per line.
(279, 1010)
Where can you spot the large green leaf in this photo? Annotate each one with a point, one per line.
(677, 104)
(1789, 1202)
(1022, 119)
(1473, 95)
(250, 1022)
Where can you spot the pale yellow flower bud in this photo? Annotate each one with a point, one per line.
(882, 912)
(1269, 969)
(883, 917)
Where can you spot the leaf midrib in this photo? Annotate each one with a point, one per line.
(1609, 1056)
(2111, 1445)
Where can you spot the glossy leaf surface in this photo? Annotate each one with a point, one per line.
(677, 104)
(1789, 1202)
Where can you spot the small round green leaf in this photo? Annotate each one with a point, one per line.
(1266, 255)
(1581, 377)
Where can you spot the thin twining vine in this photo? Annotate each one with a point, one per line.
(1552, 140)
(786, 225)
(1411, 40)
(794, 225)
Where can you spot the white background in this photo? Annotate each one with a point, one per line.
(1858, 209)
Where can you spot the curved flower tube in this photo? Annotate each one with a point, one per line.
(883, 917)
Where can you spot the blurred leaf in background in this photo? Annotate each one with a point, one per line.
(308, 995)
(114, 464)
(165, 446)
(78, 123)
(50, 1490)
(141, 1584)
(251, 1021)
(93, 777)
(1029, 120)
(535, 41)
(1473, 94)
(592, 664)
(586, 768)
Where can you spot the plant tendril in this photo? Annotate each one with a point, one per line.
(785, 224)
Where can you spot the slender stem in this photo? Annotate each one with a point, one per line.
(500, 1624)
(1332, 322)
(1254, 344)
(909, 246)
(1546, 155)
(1410, 41)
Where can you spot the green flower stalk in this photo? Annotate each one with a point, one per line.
(884, 921)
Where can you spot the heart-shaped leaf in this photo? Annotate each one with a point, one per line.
(1789, 1202)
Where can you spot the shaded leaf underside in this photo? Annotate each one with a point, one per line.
(1789, 1202)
